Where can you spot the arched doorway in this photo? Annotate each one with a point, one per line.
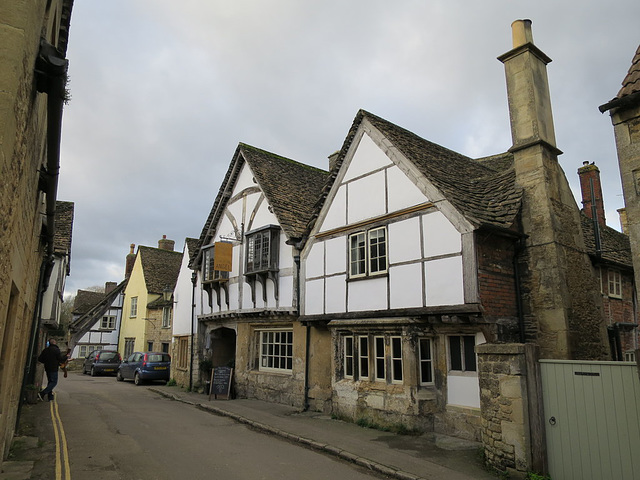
(223, 347)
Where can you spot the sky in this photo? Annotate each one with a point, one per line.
(162, 92)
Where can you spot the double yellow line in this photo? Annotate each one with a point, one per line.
(62, 454)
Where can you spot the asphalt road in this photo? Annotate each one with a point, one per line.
(116, 430)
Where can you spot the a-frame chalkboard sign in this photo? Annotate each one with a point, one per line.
(221, 383)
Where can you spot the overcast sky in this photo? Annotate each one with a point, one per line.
(163, 91)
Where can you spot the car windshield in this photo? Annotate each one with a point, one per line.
(158, 357)
(108, 356)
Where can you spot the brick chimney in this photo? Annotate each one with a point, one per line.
(109, 286)
(591, 188)
(131, 259)
(165, 244)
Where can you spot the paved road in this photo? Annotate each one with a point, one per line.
(116, 430)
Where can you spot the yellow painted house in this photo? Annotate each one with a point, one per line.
(148, 299)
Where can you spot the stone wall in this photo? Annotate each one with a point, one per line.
(505, 406)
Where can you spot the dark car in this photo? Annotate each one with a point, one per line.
(143, 366)
(101, 362)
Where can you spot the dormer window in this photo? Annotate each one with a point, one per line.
(262, 250)
(214, 258)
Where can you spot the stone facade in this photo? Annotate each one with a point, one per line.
(24, 129)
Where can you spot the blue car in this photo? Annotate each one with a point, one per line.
(143, 366)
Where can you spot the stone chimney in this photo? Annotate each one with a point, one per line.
(109, 286)
(333, 158)
(624, 222)
(131, 259)
(165, 244)
(562, 306)
(591, 188)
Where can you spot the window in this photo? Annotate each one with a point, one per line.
(615, 284)
(396, 359)
(630, 356)
(86, 350)
(149, 346)
(348, 357)
(108, 322)
(368, 253)
(262, 250)
(134, 307)
(276, 350)
(128, 346)
(183, 352)
(166, 317)
(363, 357)
(426, 361)
(462, 356)
(209, 273)
(380, 361)
(165, 347)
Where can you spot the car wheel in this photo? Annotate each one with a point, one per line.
(119, 376)
(136, 379)
(93, 372)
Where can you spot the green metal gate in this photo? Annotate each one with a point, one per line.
(592, 419)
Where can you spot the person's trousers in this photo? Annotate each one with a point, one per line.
(52, 381)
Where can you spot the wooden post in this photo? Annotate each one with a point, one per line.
(539, 462)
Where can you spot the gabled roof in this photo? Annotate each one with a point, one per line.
(91, 315)
(85, 300)
(160, 267)
(485, 195)
(291, 189)
(192, 244)
(630, 91)
(615, 246)
(64, 227)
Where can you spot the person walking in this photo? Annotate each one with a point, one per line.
(52, 358)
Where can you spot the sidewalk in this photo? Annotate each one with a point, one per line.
(405, 457)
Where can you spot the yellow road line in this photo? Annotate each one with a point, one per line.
(62, 453)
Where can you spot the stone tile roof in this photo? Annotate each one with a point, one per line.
(64, 227)
(483, 191)
(160, 268)
(615, 245)
(93, 313)
(85, 300)
(192, 244)
(291, 189)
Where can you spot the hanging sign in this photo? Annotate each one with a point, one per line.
(222, 253)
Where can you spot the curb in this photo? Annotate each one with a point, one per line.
(306, 442)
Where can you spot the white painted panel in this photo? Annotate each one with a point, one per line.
(440, 236)
(405, 285)
(285, 294)
(263, 216)
(235, 265)
(337, 213)
(369, 294)
(244, 180)
(286, 252)
(260, 303)
(246, 295)
(404, 241)
(336, 252)
(463, 390)
(314, 296)
(367, 157)
(444, 282)
(314, 263)
(366, 198)
(234, 296)
(403, 192)
(336, 294)
(225, 227)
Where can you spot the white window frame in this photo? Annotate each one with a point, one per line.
(108, 322)
(134, 307)
(360, 253)
(395, 355)
(166, 318)
(614, 283)
(380, 370)
(277, 339)
(425, 360)
(463, 360)
(630, 356)
(348, 357)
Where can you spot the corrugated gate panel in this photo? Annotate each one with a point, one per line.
(592, 410)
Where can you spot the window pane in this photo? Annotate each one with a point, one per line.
(276, 350)
(377, 250)
(348, 356)
(357, 254)
(426, 369)
(363, 351)
(396, 358)
(469, 353)
(380, 374)
(455, 354)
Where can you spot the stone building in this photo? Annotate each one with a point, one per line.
(33, 46)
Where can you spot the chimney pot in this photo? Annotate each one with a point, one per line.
(521, 32)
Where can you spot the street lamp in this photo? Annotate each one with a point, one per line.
(166, 293)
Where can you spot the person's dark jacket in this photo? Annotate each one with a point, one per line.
(52, 358)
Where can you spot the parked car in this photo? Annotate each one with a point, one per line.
(100, 362)
(143, 366)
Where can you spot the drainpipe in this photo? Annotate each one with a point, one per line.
(516, 273)
(194, 281)
(296, 259)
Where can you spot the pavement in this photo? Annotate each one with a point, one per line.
(405, 457)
